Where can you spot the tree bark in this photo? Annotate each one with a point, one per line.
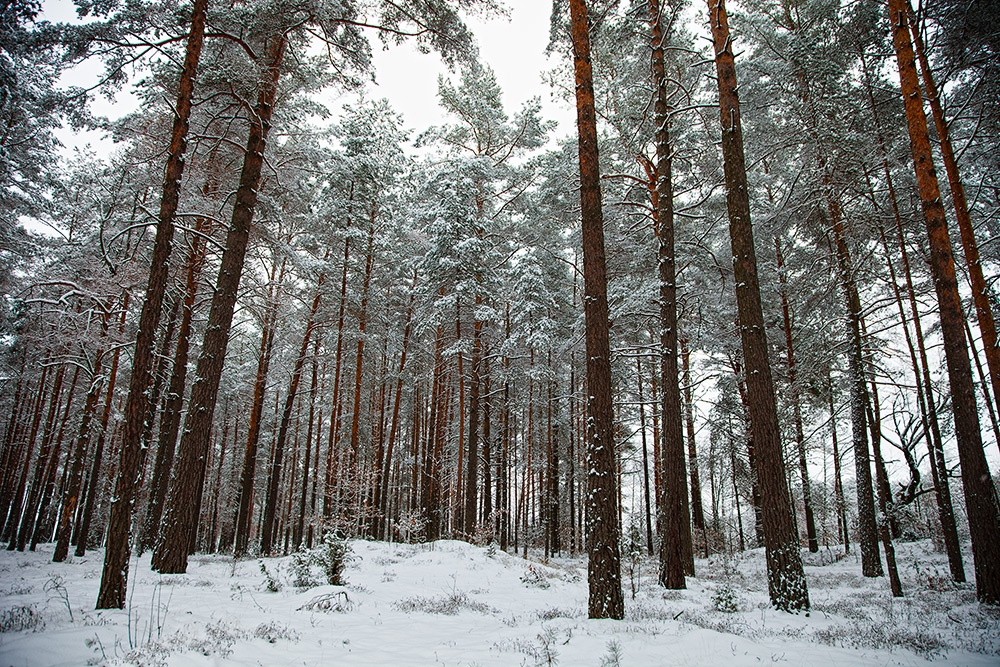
(114, 577)
(786, 581)
(984, 314)
(181, 520)
(674, 520)
(95, 471)
(793, 388)
(603, 531)
(980, 495)
(871, 564)
(267, 531)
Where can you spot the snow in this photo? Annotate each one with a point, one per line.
(451, 603)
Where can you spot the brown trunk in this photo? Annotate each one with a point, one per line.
(472, 465)
(697, 510)
(675, 528)
(382, 483)
(180, 520)
(603, 530)
(25, 516)
(648, 505)
(71, 494)
(244, 512)
(980, 495)
(334, 435)
(838, 484)
(298, 533)
(171, 419)
(786, 581)
(17, 496)
(40, 514)
(984, 314)
(430, 484)
(268, 533)
(871, 564)
(115, 574)
(95, 471)
(354, 468)
(925, 388)
(793, 387)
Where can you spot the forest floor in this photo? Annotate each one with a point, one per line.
(451, 603)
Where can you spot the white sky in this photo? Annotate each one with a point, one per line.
(513, 46)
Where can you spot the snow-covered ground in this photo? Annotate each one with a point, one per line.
(451, 603)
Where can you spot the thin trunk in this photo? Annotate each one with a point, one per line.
(334, 435)
(71, 494)
(95, 471)
(793, 387)
(645, 460)
(244, 513)
(382, 484)
(268, 531)
(697, 511)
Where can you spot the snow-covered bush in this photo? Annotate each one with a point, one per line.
(449, 605)
(22, 617)
(534, 578)
(725, 599)
(271, 583)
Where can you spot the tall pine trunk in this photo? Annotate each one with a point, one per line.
(114, 577)
(674, 520)
(603, 530)
(181, 518)
(980, 495)
(786, 580)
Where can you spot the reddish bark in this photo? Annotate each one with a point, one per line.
(603, 529)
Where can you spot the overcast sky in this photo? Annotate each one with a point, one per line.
(513, 46)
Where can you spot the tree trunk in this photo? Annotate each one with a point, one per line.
(181, 520)
(171, 419)
(697, 511)
(871, 564)
(675, 528)
(95, 471)
(114, 577)
(334, 435)
(984, 314)
(267, 531)
(980, 495)
(71, 494)
(603, 530)
(382, 483)
(786, 581)
(793, 387)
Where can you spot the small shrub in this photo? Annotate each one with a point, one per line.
(613, 658)
(534, 578)
(329, 602)
(271, 583)
(449, 605)
(23, 617)
(333, 555)
(301, 570)
(725, 600)
(273, 631)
